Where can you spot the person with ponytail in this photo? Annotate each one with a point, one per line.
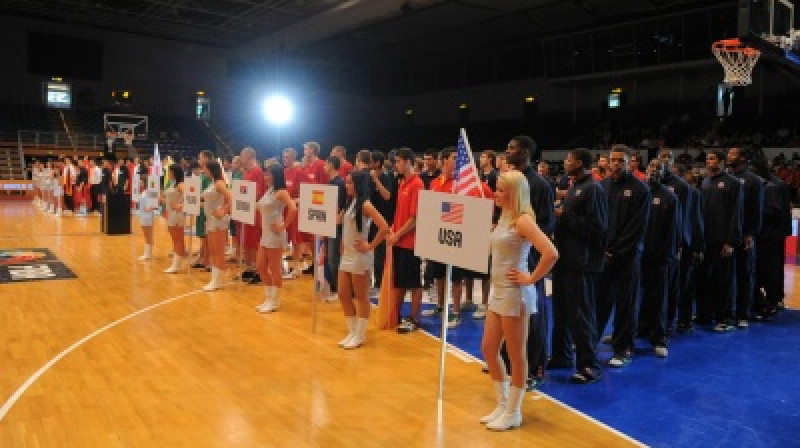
(356, 262)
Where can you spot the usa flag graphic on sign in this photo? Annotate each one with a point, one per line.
(452, 213)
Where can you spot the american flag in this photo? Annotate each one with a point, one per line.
(452, 212)
(466, 179)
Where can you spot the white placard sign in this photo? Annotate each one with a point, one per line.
(136, 185)
(191, 195)
(454, 229)
(317, 209)
(244, 202)
(152, 192)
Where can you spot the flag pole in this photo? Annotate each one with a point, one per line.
(443, 331)
(471, 159)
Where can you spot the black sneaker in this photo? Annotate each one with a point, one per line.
(585, 376)
(254, 280)
(309, 270)
(198, 265)
(407, 326)
(620, 360)
(248, 274)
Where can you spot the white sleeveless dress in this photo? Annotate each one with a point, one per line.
(271, 210)
(509, 250)
(213, 199)
(352, 260)
(173, 196)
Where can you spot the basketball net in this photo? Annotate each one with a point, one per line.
(737, 59)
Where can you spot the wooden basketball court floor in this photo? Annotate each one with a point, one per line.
(126, 356)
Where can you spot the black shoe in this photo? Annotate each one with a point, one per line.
(407, 326)
(620, 360)
(554, 363)
(485, 369)
(309, 270)
(248, 274)
(254, 280)
(534, 382)
(198, 265)
(585, 376)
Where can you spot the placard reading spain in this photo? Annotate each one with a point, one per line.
(191, 195)
(454, 229)
(317, 209)
(152, 192)
(244, 201)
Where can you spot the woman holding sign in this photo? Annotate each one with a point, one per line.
(217, 205)
(277, 212)
(176, 219)
(355, 265)
(514, 295)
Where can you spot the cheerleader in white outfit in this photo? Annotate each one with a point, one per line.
(145, 221)
(277, 212)
(356, 261)
(514, 296)
(176, 219)
(217, 206)
(56, 189)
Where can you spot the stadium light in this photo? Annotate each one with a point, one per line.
(278, 110)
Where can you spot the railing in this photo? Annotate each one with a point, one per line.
(59, 140)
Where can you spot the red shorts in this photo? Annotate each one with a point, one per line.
(251, 235)
(296, 236)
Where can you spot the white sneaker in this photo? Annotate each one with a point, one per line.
(269, 305)
(291, 275)
(480, 312)
(661, 351)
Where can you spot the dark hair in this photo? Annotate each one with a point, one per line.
(529, 145)
(584, 156)
(278, 178)
(364, 156)
(405, 154)
(361, 188)
(680, 168)
(207, 154)
(433, 152)
(335, 162)
(720, 155)
(177, 173)
(447, 151)
(215, 170)
(195, 165)
(377, 157)
(623, 149)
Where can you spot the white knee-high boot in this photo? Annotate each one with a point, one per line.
(512, 416)
(360, 335)
(351, 330)
(215, 282)
(501, 391)
(148, 252)
(176, 265)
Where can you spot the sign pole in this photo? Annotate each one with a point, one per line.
(189, 252)
(445, 316)
(241, 251)
(315, 295)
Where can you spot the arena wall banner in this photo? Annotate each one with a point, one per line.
(244, 199)
(454, 229)
(316, 212)
(191, 195)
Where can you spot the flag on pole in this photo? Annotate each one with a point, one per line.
(155, 168)
(466, 181)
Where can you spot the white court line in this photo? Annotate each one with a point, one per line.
(27, 384)
(569, 408)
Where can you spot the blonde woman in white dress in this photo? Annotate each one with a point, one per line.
(513, 295)
(356, 261)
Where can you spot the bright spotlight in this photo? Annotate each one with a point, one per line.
(278, 110)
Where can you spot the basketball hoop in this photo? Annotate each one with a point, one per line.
(737, 59)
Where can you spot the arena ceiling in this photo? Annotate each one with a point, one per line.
(326, 25)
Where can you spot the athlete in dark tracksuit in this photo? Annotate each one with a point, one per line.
(542, 202)
(675, 276)
(661, 245)
(580, 239)
(776, 226)
(716, 282)
(745, 252)
(691, 260)
(617, 286)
